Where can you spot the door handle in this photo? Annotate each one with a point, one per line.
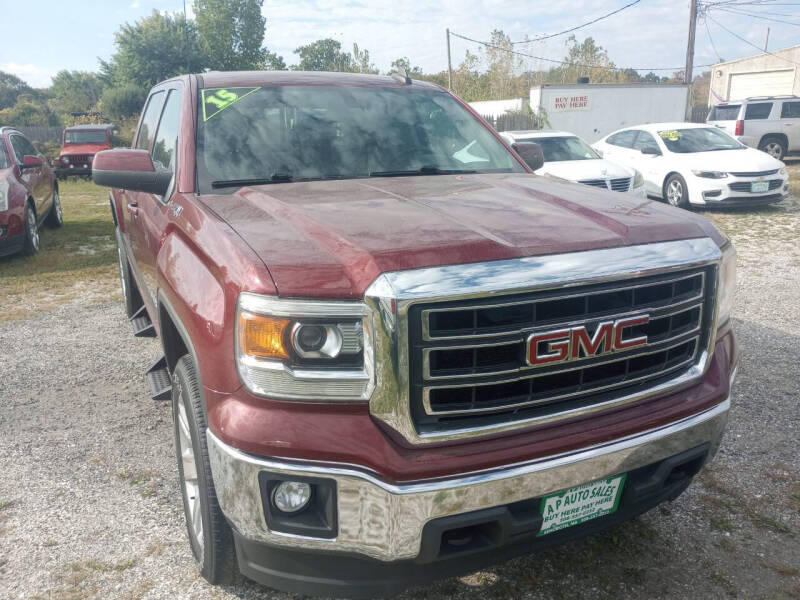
(133, 208)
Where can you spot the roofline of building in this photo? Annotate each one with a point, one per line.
(606, 85)
(771, 52)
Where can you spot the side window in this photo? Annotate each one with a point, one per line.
(166, 140)
(623, 139)
(4, 162)
(644, 140)
(22, 147)
(790, 110)
(147, 128)
(759, 110)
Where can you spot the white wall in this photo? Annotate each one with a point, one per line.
(592, 111)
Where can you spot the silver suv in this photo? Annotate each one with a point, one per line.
(769, 123)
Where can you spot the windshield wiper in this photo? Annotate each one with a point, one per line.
(274, 178)
(424, 170)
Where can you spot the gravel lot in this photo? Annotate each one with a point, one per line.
(90, 508)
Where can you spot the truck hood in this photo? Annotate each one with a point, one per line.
(333, 238)
(71, 149)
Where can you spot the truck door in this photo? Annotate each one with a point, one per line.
(33, 178)
(129, 201)
(790, 123)
(151, 210)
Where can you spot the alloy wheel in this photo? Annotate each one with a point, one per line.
(33, 229)
(190, 483)
(774, 149)
(674, 192)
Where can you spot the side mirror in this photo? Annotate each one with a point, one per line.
(531, 153)
(651, 150)
(29, 162)
(129, 169)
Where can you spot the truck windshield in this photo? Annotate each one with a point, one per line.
(295, 133)
(85, 137)
(703, 139)
(563, 148)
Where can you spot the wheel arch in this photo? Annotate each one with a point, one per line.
(664, 183)
(781, 136)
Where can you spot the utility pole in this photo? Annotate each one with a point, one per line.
(449, 64)
(690, 54)
(766, 41)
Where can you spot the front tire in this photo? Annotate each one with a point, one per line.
(55, 218)
(774, 146)
(675, 191)
(32, 242)
(210, 536)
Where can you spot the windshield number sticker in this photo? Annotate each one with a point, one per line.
(672, 136)
(215, 100)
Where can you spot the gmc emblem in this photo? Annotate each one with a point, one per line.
(562, 345)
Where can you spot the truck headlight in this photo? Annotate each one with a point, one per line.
(727, 283)
(710, 174)
(304, 349)
(638, 180)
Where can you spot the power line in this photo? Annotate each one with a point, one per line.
(749, 43)
(737, 12)
(571, 29)
(564, 62)
(708, 31)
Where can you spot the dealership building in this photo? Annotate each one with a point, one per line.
(773, 74)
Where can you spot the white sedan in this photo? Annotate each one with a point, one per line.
(567, 156)
(694, 164)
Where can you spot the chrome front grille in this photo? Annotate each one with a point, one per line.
(468, 360)
(618, 185)
(754, 173)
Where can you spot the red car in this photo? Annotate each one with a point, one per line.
(28, 194)
(79, 145)
(394, 353)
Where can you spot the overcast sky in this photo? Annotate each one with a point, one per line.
(58, 34)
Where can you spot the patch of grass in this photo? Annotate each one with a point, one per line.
(723, 582)
(101, 566)
(769, 522)
(76, 260)
(780, 568)
(50, 543)
(136, 477)
(794, 179)
(6, 504)
(721, 524)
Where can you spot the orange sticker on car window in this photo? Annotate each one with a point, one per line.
(215, 100)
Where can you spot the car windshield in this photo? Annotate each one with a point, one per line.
(729, 112)
(295, 133)
(701, 139)
(563, 148)
(85, 137)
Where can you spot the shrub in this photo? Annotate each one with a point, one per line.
(123, 101)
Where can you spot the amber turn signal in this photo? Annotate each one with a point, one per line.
(262, 336)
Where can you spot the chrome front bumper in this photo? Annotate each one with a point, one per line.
(385, 520)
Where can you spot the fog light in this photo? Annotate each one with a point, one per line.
(291, 496)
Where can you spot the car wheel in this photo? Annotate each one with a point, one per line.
(55, 218)
(210, 536)
(675, 191)
(774, 146)
(31, 245)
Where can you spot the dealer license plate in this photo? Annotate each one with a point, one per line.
(579, 504)
(759, 186)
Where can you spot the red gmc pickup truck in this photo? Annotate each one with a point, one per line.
(393, 353)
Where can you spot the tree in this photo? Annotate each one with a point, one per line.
(323, 55)
(75, 91)
(583, 60)
(502, 65)
(360, 63)
(11, 87)
(403, 63)
(27, 111)
(123, 101)
(231, 34)
(155, 48)
(273, 62)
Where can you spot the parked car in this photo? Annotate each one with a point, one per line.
(769, 123)
(696, 164)
(569, 157)
(79, 145)
(394, 354)
(28, 194)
